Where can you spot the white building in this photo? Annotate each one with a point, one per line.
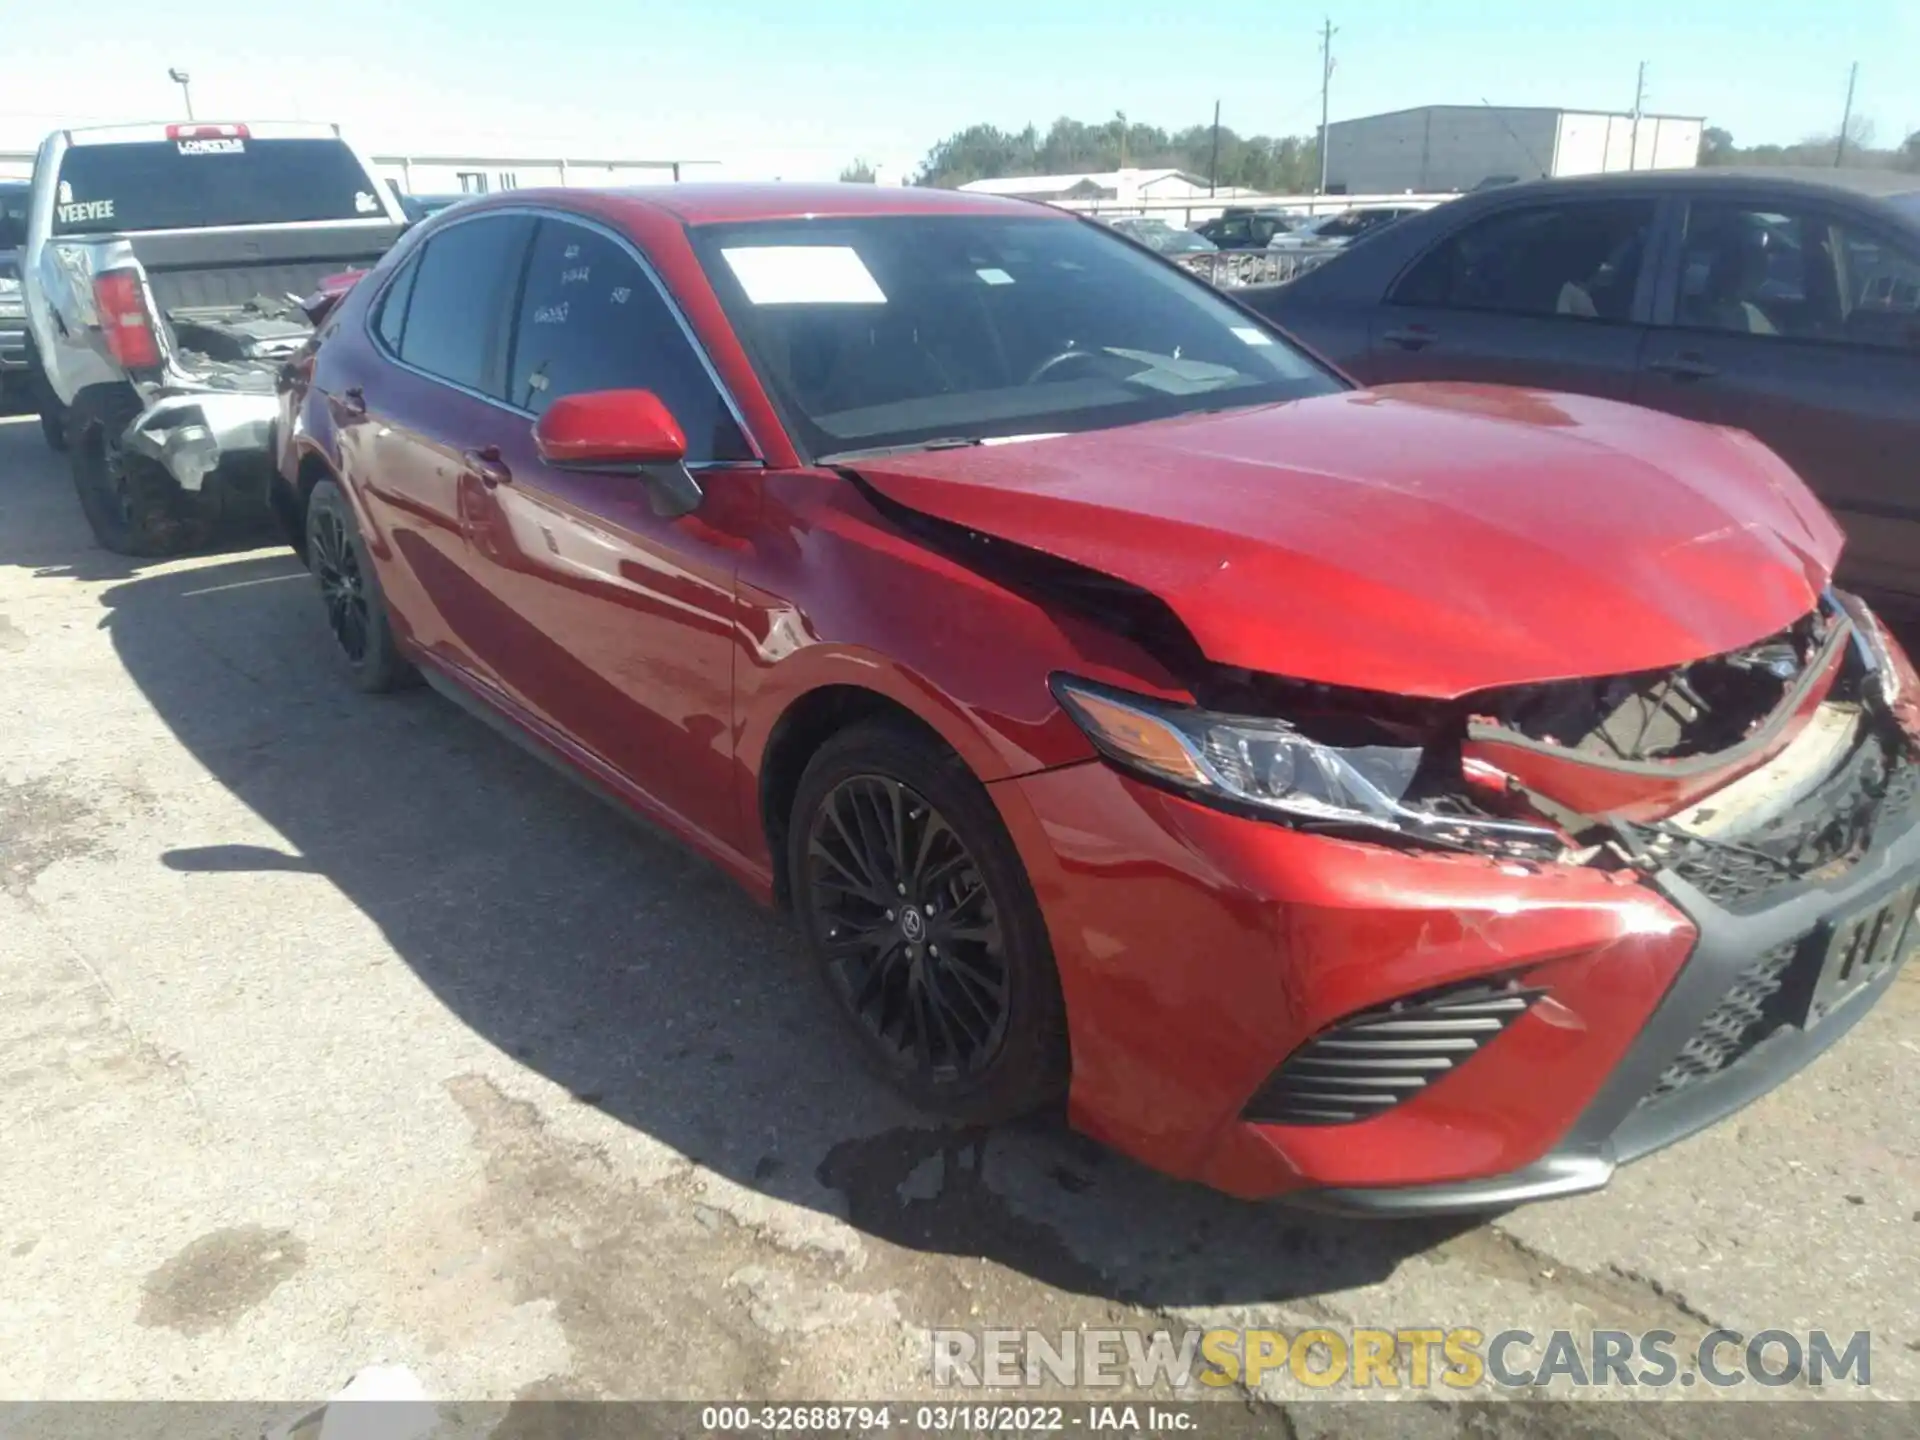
(430, 174)
(1454, 147)
(1125, 187)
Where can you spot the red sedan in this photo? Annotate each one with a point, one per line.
(1412, 800)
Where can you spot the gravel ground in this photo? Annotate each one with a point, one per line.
(336, 1032)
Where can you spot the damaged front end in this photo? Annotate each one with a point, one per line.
(1739, 771)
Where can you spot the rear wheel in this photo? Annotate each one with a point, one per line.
(920, 917)
(133, 505)
(350, 590)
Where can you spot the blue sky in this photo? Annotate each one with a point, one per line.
(799, 87)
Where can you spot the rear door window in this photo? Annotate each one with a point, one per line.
(391, 322)
(591, 318)
(189, 184)
(1572, 259)
(462, 298)
(1797, 275)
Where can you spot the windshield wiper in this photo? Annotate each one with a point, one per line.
(875, 452)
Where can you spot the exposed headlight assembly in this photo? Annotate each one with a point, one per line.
(1267, 765)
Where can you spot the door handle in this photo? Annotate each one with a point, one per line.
(486, 463)
(353, 400)
(1412, 337)
(1684, 367)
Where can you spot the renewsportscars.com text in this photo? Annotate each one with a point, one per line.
(1413, 1358)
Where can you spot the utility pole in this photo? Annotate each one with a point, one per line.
(1327, 32)
(1846, 117)
(181, 78)
(1213, 169)
(1639, 100)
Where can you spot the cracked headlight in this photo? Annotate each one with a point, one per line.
(1245, 759)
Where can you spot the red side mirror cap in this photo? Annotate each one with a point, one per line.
(609, 427)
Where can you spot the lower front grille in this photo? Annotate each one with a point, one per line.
(1876, 787)
(1746, 1015)
(1370, 1062)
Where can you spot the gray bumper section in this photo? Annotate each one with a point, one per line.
(188, 434)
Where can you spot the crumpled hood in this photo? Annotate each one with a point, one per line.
(1421, 539)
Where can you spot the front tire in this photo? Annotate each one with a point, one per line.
(921, 920)
(350, 590)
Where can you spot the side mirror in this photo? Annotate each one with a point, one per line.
(625, 431)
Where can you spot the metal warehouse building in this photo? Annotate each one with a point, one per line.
(1456, 147)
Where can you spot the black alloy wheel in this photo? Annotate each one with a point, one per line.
(336, 566)
(913, 939)
(920, 916)
(350, 590)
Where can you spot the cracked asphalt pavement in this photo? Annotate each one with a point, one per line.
(336, 1031)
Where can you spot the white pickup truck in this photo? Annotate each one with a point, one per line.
(163, 271)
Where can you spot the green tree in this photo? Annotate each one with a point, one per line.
(1288, 164)
(859, 172)
(1909, 153)
(1716, 146)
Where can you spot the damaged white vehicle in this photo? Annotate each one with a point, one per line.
(164, 272)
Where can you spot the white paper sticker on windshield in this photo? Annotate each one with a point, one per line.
(995, 277)
(803, 275)
(220, 145)
(1250, 336)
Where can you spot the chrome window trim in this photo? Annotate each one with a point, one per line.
(543, 212)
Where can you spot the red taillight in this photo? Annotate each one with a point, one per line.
(124, 321)
(207, 132)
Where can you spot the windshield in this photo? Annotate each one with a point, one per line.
(1174, 241)
(189, 184)
(885, 331)
(1908, 204)
(1336, 227)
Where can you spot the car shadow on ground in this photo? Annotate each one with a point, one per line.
(632, 975)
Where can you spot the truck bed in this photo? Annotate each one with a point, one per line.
(200, 269)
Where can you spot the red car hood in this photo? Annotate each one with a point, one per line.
(1421, 539)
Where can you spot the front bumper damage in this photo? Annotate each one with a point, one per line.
(1739, 1019)
(189, 434)
(1574, 1018)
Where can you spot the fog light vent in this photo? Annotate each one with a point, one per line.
(1370, 1062)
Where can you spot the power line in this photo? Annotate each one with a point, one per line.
(1639, 103)
(1846, 117)
(1327, 32)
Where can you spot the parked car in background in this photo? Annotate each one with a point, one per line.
(163, 273)
(1239, 228)
(1160, 235)
(1781, 303)
(419, 207)
(1331, 232)
(1328, 793)
(14, 372)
